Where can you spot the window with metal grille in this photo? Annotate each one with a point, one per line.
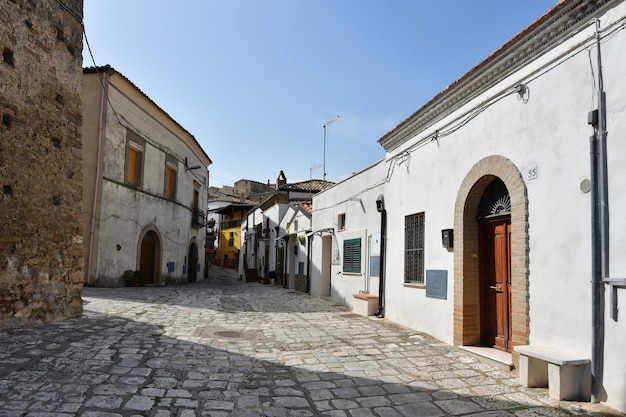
(352, 256)
(414, 249)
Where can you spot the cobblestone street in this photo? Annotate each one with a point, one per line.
(228, 348)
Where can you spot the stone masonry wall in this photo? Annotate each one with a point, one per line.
(41, 256)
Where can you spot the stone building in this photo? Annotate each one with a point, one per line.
(40, 161)
(145, 187)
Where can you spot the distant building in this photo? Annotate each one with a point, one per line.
(264, 240)
(242, 191)
(40, 161)
(294, 246)
(145, 180)
(229, 233)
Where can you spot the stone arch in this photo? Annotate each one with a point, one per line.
(151, 231)
(466, 246)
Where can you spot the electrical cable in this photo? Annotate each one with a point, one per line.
(463, 120)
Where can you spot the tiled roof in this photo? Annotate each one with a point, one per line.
(313, 186)
(307, 206)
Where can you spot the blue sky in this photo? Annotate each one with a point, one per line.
(255, 80)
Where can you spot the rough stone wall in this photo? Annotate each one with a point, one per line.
(41, 256)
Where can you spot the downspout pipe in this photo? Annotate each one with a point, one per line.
(380, 206)
(285, 259)
(600, 230)
(104, 82)
(309, 253)
(597, 286)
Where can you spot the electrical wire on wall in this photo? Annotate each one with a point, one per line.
(521, 88)
(162, 233)
(100, 75)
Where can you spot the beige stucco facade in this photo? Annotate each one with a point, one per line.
(145, 180)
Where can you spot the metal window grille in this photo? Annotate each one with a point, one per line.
(414, 249)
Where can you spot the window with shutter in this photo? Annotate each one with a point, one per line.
(352, 256)
(133, 166)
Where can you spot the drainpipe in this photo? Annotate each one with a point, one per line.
(600, 226)
(380, 206)
(285, 259)
(597, 286)
(105, 82)
(309, 253)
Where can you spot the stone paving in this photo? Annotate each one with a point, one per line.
(223, 347)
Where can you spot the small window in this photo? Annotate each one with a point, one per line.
(341, 221)
(414, 249)
(231, 239)
(352, 256)
(133, 166)
(170, 182)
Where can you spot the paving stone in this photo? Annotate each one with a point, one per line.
(153, 351)
(138, 402)
(457, 407)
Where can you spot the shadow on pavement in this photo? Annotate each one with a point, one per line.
(104, 364)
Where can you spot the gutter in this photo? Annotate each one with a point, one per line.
(104, 81)
(380, 205)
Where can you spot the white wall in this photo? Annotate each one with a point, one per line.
(547, 130)
(356, 198)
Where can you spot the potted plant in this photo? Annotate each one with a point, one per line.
(132, 278)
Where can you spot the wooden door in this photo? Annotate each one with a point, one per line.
(192, 271)
(496, 285)
(148, 257)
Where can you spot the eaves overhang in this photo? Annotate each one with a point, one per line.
(541, 35)
(107, 69)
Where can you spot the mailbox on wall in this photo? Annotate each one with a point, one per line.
(447, 238)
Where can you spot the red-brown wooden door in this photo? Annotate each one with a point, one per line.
(148, 256)
(496, 284)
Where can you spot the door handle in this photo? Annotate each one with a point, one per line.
(498, 287)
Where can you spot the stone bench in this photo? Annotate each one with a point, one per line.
(567, 376)
(365, 304)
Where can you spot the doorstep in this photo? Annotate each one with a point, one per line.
(490, 355)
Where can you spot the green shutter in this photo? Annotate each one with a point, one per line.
(352, 255)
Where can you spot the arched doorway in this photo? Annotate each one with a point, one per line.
(149, 252)
(494, 240)
(192, 272)
(484, 243)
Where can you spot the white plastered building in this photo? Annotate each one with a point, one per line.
(487, 211)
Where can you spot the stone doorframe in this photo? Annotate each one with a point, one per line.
(466, 256)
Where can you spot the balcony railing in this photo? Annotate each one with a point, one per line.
(230, 224)
(197, 219)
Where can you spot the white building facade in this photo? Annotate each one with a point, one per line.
(265, 234)
(293, 246)
(486, 222)
(145, 179)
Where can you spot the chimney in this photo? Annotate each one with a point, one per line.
(281, 180)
